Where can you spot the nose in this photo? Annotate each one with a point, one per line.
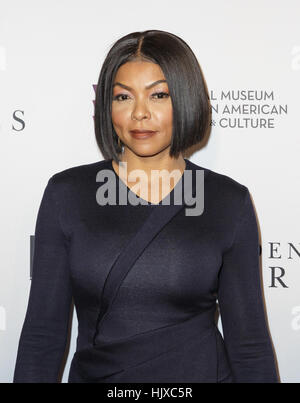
(140, 111)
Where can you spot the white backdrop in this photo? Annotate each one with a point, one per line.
(51, 53)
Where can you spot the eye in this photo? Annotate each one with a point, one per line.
(117, 97)
(122, 97)
(165, 95)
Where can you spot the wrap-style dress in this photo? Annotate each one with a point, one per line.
(147, 281)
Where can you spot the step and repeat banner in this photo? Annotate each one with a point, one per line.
(51, 54)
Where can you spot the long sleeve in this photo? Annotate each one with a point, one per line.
(241, 306)
(44, 334)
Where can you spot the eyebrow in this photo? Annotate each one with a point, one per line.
(147, 86)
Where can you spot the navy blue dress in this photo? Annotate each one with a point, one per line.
(145, 280)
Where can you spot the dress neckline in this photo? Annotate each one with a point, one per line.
(144, 201)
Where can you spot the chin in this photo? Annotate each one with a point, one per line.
(147, 151)
(147, 148)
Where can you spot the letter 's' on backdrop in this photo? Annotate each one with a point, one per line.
(50, 58)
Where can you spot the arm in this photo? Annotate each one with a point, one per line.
(45, 329)
(241, 304)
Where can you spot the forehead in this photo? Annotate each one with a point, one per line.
(136, 71)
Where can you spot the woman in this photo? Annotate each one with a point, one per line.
(145, 274)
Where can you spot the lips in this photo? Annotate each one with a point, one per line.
(142, 134)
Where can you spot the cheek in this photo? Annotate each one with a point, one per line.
(165, 118)
(118, 116)
(162, 115)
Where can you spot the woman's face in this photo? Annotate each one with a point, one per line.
(135, 106)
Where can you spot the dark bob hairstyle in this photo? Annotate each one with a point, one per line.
(188, 92)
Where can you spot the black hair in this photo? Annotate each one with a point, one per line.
(187, 88)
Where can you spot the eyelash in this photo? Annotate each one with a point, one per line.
(116, 98)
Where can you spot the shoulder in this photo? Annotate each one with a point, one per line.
(74, 181)
(223, 188)
(79, 173)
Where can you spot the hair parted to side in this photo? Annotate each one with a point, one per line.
(188, 92)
